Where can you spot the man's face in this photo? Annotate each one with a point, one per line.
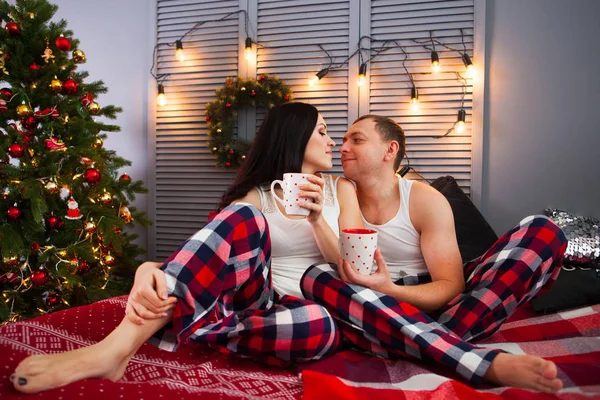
(362, 150)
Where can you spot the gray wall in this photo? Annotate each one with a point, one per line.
(117, 37)
(542, 121)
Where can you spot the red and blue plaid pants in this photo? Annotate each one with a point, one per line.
(222, 278)
(510, 273)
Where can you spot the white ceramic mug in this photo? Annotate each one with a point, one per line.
(291, 188)
(358, 248)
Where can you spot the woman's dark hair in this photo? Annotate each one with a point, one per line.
(277, 149)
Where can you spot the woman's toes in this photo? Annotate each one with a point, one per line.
(12, 377)
(22, 381)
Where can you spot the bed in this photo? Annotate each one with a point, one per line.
(570, 338)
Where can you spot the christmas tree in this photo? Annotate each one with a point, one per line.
(63, 207)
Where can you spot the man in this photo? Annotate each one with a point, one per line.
(422, 302)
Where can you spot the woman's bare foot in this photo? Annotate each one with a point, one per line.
(44, 372)
(523, 371)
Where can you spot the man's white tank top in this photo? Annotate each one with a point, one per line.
(293, 245)
(399, 241)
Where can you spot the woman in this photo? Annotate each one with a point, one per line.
(220, 279)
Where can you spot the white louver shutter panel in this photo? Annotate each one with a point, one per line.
(188, 185)
(439, 94)
(291, 32)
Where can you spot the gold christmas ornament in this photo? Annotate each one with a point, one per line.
(48, 56)
(94, 108)
(33, 86)
(109, 260)
(106, 198)
(23, 110)
(64, 119)
(78, 56)
(56, 84)
(98, 143)
(125, 214)
(31, 15)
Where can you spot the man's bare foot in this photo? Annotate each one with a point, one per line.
(523, 371)
(45, 372)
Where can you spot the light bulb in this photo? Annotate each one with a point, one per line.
(469, 65)
(435, 61)
(248, 48)
(460, 123)
(179, 52)
(362, 73)
(319, 75)
(414, 98)
(161, 99)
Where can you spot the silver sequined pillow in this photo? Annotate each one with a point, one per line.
(583, 234)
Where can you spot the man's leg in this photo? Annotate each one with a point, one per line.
(510, 273)
(380, 324)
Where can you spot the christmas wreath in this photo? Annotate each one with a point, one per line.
(221, 114)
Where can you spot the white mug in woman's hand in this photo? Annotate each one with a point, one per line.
(291, 188)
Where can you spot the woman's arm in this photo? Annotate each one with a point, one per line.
(349, 209)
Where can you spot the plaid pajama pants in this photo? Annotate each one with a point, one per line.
(510, 273)
(222, 278)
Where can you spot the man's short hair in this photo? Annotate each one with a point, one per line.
(389, 130)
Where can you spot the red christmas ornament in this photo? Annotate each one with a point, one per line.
(125, 178)
(253, 93)
(52, 299)
(3, 106)
(87, 99)
(207, 118)
(13, 213)
(16, 150)
(262, 77)
(34, 67)
(73, 213)
(40, 277)
(228, 105)
(63, 43)
(35, 247)
(6, 92)
(117, 230)
(286, 97)
(92, 176)
(29, 122)
(231, 151)
(230, 83)
(53, 222)
(84, 267)
(13, 29)
(228, 164)
(54, 144)
(70, 86)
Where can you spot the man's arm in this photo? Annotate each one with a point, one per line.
(432, 217)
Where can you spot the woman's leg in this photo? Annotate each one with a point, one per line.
(510, 273)
(380, 324)
(227, 264)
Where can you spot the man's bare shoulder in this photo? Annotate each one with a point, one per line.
(427, 205)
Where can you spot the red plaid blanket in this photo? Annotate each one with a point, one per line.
(571, 339)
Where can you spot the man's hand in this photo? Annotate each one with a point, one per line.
(149, 297)
(379, 281)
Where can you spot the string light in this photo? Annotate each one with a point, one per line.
(179, 52)
(362, 74)
(161, 98)
(414, 98)
(460, 122)
(248, 49)
(468, 64)
(319, 75)
(435, 61)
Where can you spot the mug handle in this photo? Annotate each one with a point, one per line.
(275, 182)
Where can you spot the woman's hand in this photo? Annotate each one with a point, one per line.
(314, 191)
(149, 297)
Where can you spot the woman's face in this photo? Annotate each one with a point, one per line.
(318, 155)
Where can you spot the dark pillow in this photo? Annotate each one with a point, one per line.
(574, 287)
(475, 236)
